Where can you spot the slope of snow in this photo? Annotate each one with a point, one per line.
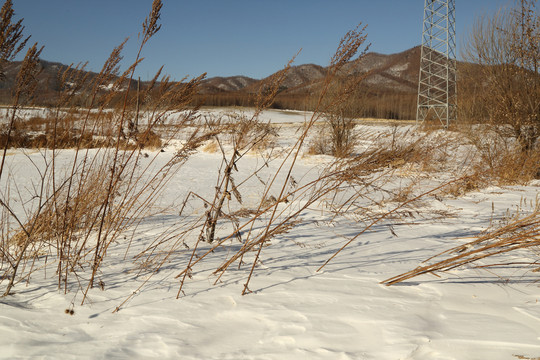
(293, 312)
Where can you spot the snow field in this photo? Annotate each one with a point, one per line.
(293, 312)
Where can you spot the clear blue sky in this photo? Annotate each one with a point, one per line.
(227, 37)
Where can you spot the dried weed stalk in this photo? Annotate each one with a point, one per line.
(522, 232)
(278, 216)
(110, 182)
(12, 40)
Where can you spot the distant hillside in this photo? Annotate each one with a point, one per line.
(48, 86)
(389, 72)
(225, 84)
(390, 78)
(47, 80)
(389, 90)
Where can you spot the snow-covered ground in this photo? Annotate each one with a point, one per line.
(293, 312)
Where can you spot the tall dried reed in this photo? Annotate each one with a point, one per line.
(81, 209)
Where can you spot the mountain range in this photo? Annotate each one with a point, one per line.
(395, 72)
(392, 75)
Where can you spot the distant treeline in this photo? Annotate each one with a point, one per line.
(367, 104)
(395, 106)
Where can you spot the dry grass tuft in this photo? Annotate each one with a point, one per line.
(211, 146)
(522, 357)
(79, 208)
(516, 168)
(522, 232)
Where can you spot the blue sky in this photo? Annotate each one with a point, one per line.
(227, 37)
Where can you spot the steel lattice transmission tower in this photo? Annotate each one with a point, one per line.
(437, 95)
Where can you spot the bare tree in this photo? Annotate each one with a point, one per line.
(507, 90)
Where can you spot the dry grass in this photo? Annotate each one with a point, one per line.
(344, 186)
(500, 157)
(273, 217)
(61, 137)
(521, 232)
(336, 137)
(79, 211)
(517, 168)
(210, 147)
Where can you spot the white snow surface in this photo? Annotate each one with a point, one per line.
(293, 312)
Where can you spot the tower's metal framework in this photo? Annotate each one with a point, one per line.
(437, 92)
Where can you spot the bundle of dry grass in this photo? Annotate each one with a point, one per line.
(272, 217)
(80, 208)
(519, 233)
